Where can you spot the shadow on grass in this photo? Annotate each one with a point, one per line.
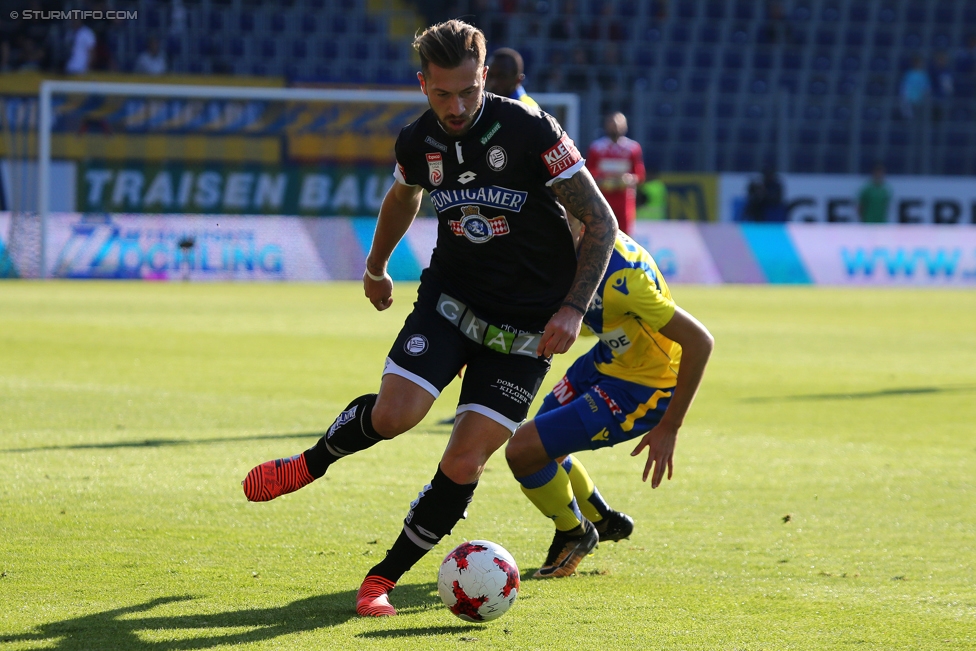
(133, 629)
(421, 632)
(865, 395)
(159, 443)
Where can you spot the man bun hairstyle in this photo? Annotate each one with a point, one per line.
(448, 44)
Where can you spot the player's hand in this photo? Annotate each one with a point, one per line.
(379, 292)
(660, 451)
(560, 333)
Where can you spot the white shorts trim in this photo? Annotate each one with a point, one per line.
(508, 423)
(392, 368)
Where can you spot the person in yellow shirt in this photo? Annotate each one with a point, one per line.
(627, 386)
(506, 72)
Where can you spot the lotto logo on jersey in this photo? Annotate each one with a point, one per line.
(435, 168)
(562, 156)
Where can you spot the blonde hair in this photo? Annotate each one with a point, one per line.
(448, 44)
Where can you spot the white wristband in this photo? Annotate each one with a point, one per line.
(376, 278)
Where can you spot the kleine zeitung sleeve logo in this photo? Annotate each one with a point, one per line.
(561, 156)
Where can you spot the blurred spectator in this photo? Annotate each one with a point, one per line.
(652, 199)
(775, 29)
(577, 77)
(24, 44)
(151, 61)
(608, 75)
(616, 29)
(554, 77)
(966, 58)
(177, 19)
(873, 200)
(562, 27)
(659, 10)
(103, 58)
(942, 76)
(916, 87)
(6, 42)
(752, 212)
(617, 165)
(943, 87)
(30, 55)
(764, 198)
(435, 11)
(81, 44)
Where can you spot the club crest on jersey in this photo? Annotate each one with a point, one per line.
(435, 168)
(497, 158)
(476, 227)
(415, 345)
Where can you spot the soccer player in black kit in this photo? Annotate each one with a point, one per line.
(504, 291)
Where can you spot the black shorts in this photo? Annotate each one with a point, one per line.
(430, 350)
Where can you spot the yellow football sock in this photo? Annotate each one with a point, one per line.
(555, 500)
(583, 488)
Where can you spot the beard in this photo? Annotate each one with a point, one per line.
(461, 123)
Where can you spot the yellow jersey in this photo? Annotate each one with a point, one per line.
(631, 304)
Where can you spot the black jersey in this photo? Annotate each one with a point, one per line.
(503, 244)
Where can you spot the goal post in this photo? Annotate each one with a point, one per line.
(51, 113)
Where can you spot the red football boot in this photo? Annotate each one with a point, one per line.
(276, 478)
(373, 599)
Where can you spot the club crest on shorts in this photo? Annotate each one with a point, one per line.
(415, 345)
(476, 227)
(435, 168)
(497, 158)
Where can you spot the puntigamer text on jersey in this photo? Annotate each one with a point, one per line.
(491, 195)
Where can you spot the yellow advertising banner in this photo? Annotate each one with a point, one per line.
(690, 197)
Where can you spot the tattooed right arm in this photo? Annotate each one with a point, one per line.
(583, 199)
(580, 196)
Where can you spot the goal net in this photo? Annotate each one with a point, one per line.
(159, 181)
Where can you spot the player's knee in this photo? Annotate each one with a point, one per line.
(390, 421)
(463, 467)
(513, 452)
(517, 454)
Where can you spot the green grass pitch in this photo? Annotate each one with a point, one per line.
(824, 494)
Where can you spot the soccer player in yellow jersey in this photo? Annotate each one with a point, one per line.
(505, 76)
(626, 386)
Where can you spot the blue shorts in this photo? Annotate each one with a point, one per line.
(588, 410)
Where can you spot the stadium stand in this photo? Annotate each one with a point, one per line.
(707, 85)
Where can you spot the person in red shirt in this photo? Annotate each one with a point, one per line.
(617, 164)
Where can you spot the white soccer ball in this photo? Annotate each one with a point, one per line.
(478, 581)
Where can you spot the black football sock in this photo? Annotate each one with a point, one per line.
(440, 505)
(351, 432)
